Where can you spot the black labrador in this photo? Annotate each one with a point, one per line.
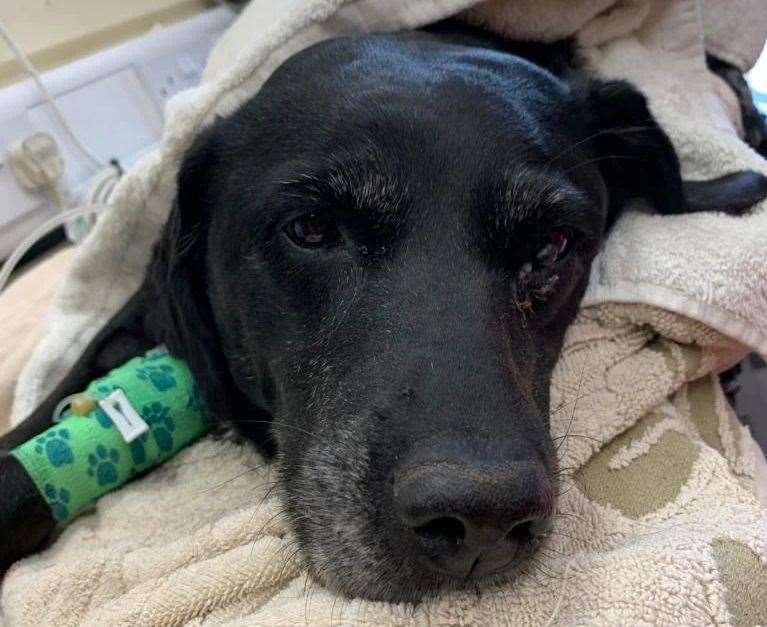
(370, 269)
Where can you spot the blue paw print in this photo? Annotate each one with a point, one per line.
(161, 424)
(58, 500)
(137, 450)
(103, 465)
(161, 428)
(55, 445)
(161, 377)
(102, 418)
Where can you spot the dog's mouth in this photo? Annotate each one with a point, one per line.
(421, 580)
(424, 528)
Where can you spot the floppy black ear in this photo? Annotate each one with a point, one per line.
(638, 160)
(182, 316)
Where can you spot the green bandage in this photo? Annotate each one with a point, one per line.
(82, 458)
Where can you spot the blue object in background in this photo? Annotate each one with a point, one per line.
(757, 81)
(760, 99)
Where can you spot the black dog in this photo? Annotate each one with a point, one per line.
(370, 270)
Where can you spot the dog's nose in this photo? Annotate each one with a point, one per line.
(472, 520)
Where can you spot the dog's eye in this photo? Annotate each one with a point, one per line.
(537, 279)
(556, 248)
(313, 231)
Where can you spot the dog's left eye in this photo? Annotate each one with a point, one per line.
(556, 248)
(313, 231)
(538, 278)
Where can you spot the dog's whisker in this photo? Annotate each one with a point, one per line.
(570, 487)
(565, 402)
(532, 576)
(288, 560)
(560, 533)
(539, 570)
(603, 158)
(544, 551)
(281, 425)
(609, 131)
(260, 533)
(572, 515)
(577, 435)
(237, 476)
(558, 408)
(572, 416)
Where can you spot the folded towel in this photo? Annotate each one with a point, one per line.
(662, 520)
(709, 267)
(659, 525)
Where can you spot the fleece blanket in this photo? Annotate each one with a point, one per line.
(661, 519)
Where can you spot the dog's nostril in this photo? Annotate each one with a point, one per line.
(521, 533)
(445, 528)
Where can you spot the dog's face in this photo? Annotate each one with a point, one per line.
(382, 251)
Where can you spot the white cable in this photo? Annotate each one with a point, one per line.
(99, 192)
(62, 406)
(95, 162)
(37, 166)
(40, 232)
(102, 185)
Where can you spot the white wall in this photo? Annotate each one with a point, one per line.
(53, 32)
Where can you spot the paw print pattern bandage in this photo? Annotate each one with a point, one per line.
(136, 417)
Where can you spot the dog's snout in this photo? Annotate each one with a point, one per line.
(472, 520)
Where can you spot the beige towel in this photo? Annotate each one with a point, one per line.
(22, 317)
(660, 520)
(661, 525)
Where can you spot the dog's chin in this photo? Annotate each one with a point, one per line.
(401, 579)
(429, 587)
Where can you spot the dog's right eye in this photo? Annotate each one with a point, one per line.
(313, 231)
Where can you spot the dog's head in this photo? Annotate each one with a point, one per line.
(370, 270)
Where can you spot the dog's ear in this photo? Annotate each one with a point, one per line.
(638, 160)
(182, 316)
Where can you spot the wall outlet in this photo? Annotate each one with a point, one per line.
(113, 100)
